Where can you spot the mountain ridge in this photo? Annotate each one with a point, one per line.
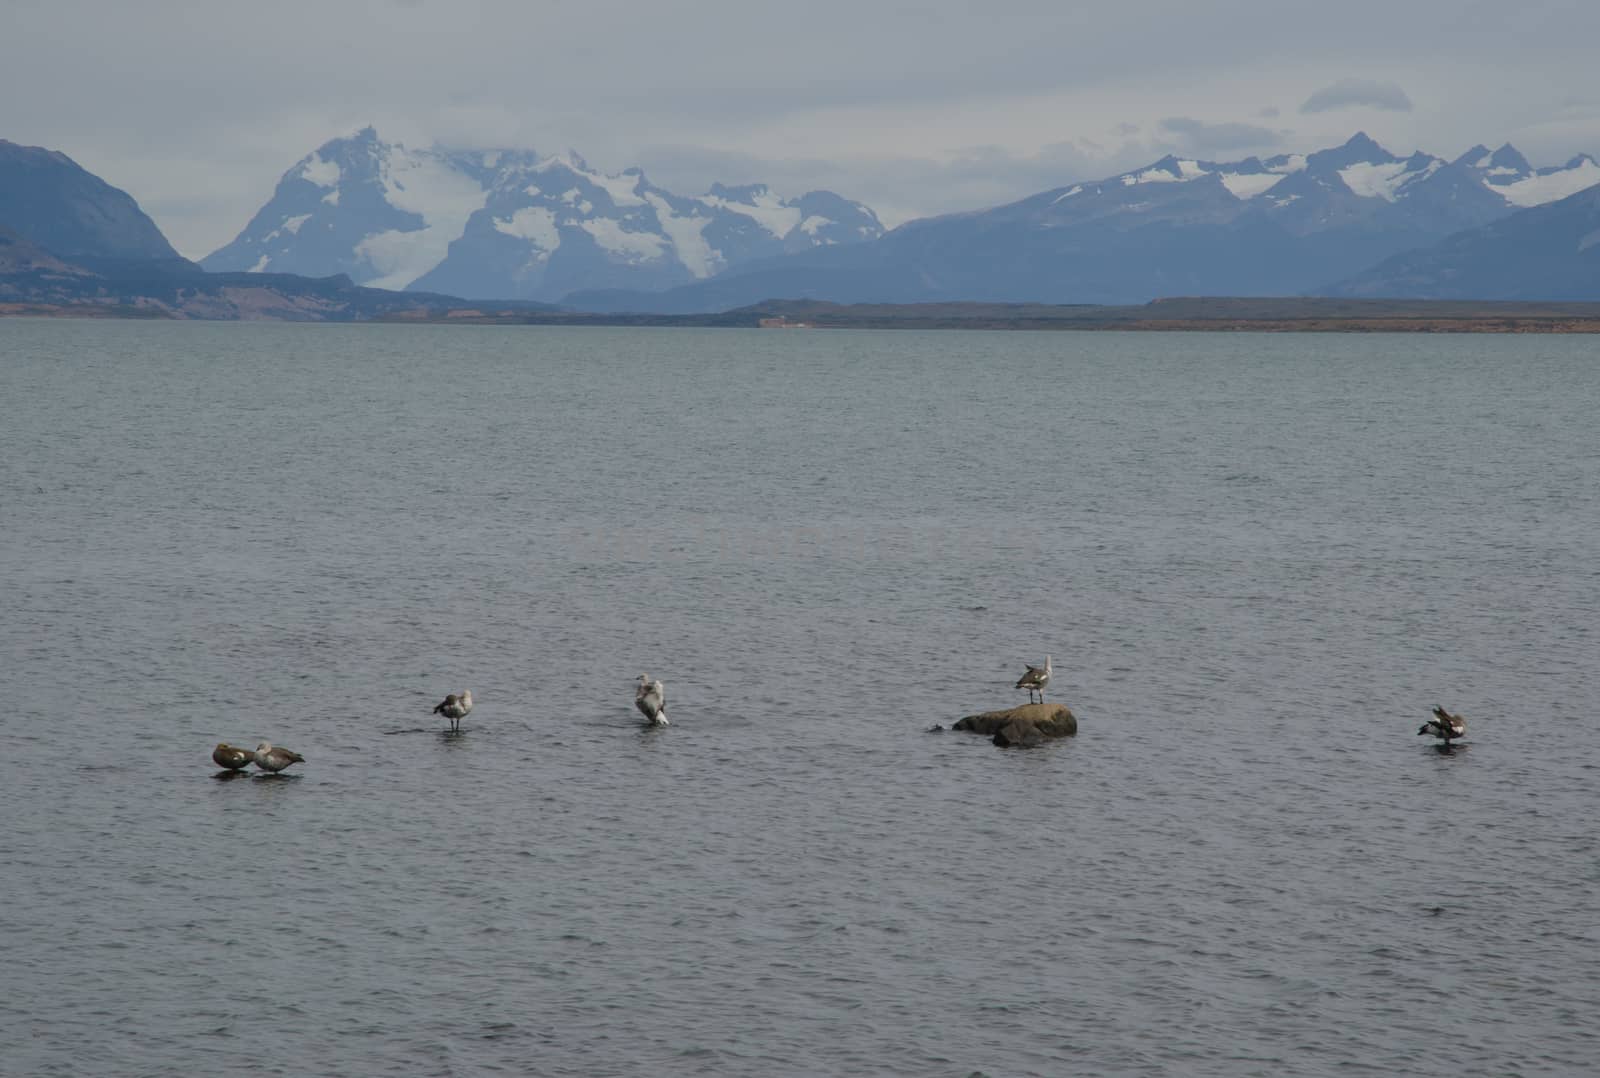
(516, 224)
(1283, 226)
(48, 198)
(1547, 252)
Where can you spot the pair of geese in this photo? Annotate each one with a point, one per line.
(650, 697)
(267, 756)
(1444, 725)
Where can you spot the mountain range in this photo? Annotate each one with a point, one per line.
(1287, 225)
(1350, 221)
(510, 224)
(71, 241)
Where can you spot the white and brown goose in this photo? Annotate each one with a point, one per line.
(455, 708)
(1444, 726)
(1035, 680)
(651, 699)
(269, 757)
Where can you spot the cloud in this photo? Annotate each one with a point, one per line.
(1350, 93)
(1044, 82)
(899, 188)
(1199, 137)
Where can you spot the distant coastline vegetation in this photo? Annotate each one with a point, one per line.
(1308, 315)
(1187, 313)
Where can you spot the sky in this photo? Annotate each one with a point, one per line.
(915, 108)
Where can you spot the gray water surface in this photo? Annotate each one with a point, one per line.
(1256, 561)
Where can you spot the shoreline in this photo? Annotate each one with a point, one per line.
(1205, 314)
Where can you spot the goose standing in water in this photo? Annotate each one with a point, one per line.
(272, 759)
(231, 757)
(651, 700)
(1444, 726)
(455, 708)
(1035, 680)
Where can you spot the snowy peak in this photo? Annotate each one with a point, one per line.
(1508, 174)
(1516, 184)
(1361, 168)
(512, 224)
(1388, 180)
(1359, 150)
(1507, 156)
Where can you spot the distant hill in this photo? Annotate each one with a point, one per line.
(33, 281)
(47, 198)
(1281, 226)
(21, 256)
(1550, 252)
(514, 224)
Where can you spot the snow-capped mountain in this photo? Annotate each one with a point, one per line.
(1508, 174)
(510, 224)
(1285, 225)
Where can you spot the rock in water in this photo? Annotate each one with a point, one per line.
(1030, 724)
(1018, 733)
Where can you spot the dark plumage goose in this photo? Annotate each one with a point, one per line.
(1035, 680)
(1444, 726)
(231, 757)
(455, 708)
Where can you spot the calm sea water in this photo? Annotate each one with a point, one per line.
(1256, 561)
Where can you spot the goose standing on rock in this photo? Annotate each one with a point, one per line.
(272, 759)
(651, 700)
(1444, 726)
(231, 757)
(455, 708)
(1035, 680)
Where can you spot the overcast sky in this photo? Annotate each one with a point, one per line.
(931, 106)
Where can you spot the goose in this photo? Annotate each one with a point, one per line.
(1035, 680)
(272, 759)
(1444, 726)
(231, 757)
(651, 700)
(455, 708)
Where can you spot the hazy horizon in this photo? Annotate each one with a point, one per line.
(913, 110)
